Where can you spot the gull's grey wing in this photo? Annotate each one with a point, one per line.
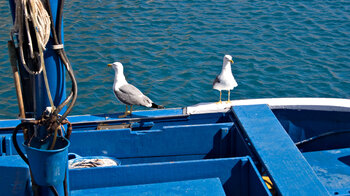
(217, 80)
(131, 95)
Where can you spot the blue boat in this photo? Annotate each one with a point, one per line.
(300, 149)
(286, 146)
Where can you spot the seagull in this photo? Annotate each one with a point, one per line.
(127, 93)
(225, 80)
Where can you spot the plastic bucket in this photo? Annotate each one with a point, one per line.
(48, 167)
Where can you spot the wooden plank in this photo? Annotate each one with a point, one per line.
(208, 186)
(236, 175)
(289, 170)
(332, 168)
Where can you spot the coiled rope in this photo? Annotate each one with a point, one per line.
(33, 11)
(41, 19)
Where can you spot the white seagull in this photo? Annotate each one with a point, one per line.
(225, 80)
(127, 93)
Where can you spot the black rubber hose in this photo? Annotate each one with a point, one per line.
(63, 56)
(71, 97)
(54, 191)
(52, 23)
(15, 143)
(59, 18)
(75, 93)
(65, 186)
(56, 42)
(328, 134)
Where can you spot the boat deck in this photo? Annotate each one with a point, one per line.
(167, 151)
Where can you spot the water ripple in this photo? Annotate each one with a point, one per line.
(172, 50)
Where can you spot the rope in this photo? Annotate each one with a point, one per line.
(38, 23)
(37, 14)
(34, 11)
(41, 19)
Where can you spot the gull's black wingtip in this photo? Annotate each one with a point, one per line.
(157, 106)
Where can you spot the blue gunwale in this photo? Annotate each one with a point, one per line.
(158, 137)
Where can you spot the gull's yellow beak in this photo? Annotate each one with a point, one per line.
(231, 61)
(109, 65)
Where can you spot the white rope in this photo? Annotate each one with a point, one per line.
(57, 47)
(40, 19)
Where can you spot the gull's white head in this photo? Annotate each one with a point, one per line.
(119, 78)
(228, 58)
(117, 66)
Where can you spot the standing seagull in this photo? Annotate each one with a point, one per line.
(225, 80)
(127, 93)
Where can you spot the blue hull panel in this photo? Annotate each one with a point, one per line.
(166, 151)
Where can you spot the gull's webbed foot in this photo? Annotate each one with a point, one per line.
(122, 116)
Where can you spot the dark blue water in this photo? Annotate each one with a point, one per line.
(172, 50)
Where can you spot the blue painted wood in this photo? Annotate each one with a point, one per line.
(154, 159)
(9, 123)
(230, 171)
(10, 149)
(254, 174)
(184, 142)
(332, 168)
(290, 172)
(136, 114)
(240, 147)
(14, 176)
(209, 186)
(2, 141)
(315, 122)
(169, 141)
(172, 117)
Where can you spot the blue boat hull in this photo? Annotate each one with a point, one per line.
(169, 152)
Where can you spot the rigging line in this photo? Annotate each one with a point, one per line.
(26, 18)
(47, 84)
(40, 47)
(60, 51)
(18, 27)
(21, 17)
(35, 12)
(323, 135)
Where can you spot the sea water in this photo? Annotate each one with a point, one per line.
(172, 50)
